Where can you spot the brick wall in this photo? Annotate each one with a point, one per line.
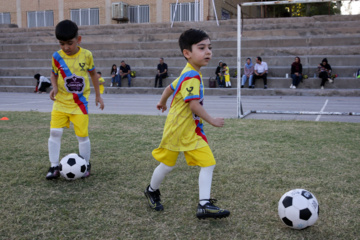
(159, 9)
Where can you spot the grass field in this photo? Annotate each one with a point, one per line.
(257, 162)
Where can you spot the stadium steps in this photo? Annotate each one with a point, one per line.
(24, 52)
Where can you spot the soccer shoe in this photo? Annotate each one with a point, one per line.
(87, 173)
(53, 173)
(154, 199)
(209, 210)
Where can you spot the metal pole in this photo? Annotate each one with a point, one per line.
(239, 106)
(172, 21)
(217, 20)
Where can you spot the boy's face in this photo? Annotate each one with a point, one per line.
(200, 55)
(70, 47)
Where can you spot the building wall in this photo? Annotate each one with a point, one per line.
(159, 9)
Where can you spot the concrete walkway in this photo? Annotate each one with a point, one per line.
(217, 106)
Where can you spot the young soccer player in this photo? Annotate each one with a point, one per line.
(183, 131)
(70, 93)
(226, 75)
(101, 83)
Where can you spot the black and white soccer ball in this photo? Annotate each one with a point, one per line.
(298, 209)
(72, 166)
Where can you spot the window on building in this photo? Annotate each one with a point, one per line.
(85, 16)
(139, 14)
(5, 18)
(40, 19)
(185, 12)
(225, 14)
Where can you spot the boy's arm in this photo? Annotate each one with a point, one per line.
(164, 97)
(199, 110)
(95, 81)
(54, 91)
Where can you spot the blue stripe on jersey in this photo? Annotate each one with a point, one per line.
(62, 63)
(187, 75)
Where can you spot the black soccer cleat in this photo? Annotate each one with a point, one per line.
(53, 173)
(209, 210)
(154, 199)
(87, 173)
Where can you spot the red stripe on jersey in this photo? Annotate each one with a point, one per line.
(79, 103)
(198, 131)
(57, 64)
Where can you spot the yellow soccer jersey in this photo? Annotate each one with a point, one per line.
(73, 81)
(183, 129)
(227, 74)
(101, 86)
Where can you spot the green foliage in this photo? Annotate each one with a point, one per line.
(304, 10)
(257, 162)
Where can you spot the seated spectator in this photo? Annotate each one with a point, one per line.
(162, 73)
(125, 72)
(260, 71)
(296, 72)
(42, 83)
(226, 75)
(324, 70)
(115, 77)
(219, 75)
(248, 73)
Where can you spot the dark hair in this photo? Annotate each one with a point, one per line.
(66, 30)
(324, 60)
(224, 65)
(112, 68)
(99, 73)
(37, 76)
(191, 37)
(259, 58)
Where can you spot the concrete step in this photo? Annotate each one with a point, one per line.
(216, 91)
(310, 83)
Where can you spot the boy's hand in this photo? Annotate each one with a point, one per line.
(218, 122)
(101, 101)
(53, 93)
(161, 106)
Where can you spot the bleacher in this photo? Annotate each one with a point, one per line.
(25, 52)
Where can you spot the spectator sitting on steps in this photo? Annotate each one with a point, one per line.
(296, 72)
(324, 70)
(125, 71)
(248, 73)
(162, 73)
(219, 75)
(260, 71)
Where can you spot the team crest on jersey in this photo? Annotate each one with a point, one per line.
(74, 84)
(190, 89)
(82, 65)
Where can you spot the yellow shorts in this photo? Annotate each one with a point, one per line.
(202, 157)
(80, 121)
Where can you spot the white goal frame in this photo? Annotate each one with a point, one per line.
(240, 113)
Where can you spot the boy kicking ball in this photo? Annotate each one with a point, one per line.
(183, 130)
(71, 89)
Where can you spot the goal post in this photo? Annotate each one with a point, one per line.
(240, 113)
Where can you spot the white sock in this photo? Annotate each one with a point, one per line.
(158, 176)
(54, 144)
(205, 179)
(84, 148)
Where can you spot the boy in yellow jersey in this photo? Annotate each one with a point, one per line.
(101, 83)
(183, 131)
(71, 89)
(226, 75)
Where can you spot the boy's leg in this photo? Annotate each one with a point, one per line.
(54, 144)
(81, 123)
(205, 180)
(167, 161)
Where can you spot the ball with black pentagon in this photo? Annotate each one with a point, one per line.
(72, 166)
(298, 209)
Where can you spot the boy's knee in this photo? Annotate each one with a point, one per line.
(56, 132)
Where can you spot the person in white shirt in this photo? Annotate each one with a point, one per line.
(42, 83)
(260, 71)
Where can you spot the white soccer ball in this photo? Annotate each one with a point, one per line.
(72, 166)
(298, 209)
